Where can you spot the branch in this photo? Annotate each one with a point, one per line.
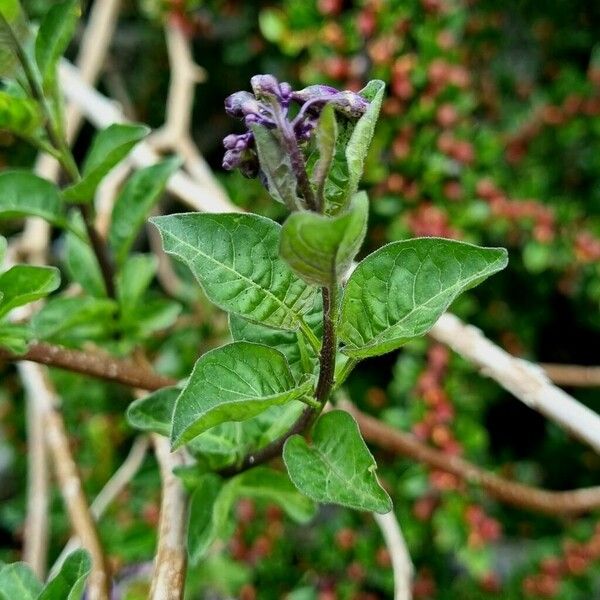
(171, 558)
(93, 363)
(573, 375)
(113, 487)
(36, 383)
(513, 493)
(35, 545)
(102, 112)
(524, 380)
(401, 563)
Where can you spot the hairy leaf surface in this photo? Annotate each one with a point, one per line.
(235, 259)
(401, 290)
(338, 467)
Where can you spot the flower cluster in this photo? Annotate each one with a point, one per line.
(269, 105)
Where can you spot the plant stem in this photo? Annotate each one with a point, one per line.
(65, 157)
(329, 347)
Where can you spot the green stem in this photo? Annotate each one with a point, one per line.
(310, 336)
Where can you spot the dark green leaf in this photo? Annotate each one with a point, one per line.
(233, 383)
(54, 35)
(26, 195)
(276, 165)
(13, 32)
(401, 290)
(81, 262)
(110, 147)
(141, 192)
(23, 284)
(18, 582)
(235, 259)
(133, 280)
(69, 582)
(338, 468)
(320, 249)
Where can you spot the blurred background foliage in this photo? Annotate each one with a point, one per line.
(490, 133)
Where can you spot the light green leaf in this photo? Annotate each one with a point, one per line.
(13, 32)
(3, 247)
(133, 280)
(262, 483)
(17, 581)
(20, 116)
(61, 317)
(338, 468)
(81, 263)
(233, 383)
(326, 138)
(276, 165)
(110, 147)
(360, 140)
(320, 249)
(23, 194)
(69, 582)
(210, 506)
(301, 356)
(14, 337)
(401, 290)
(235, 259)
(141, 192)
(154, 412)
(23, 284)
(53, 37)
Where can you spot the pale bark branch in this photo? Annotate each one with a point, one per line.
(572, 375)
(171, 555)
(402, 565)
(112, 488)
(36, 383)
(524, 380)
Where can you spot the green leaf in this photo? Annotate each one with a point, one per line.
(235, 259)
(262, 483)
(301, 356)
(27, 195)
(212, 501)
(338, 468)
(73, 317)
(360, 140)
(3, 247)
(54, 35)
(154, 412)
(320, 249)
(401, 290)
(233, 383)
(133, 280)
(17, 581)
(326, 138)
(81, 262)
(210, 506)
(69, 582)
(20, 116)
(13, 32)
(276, 164)
(23, 284)
(141, 192)
(110, 147)
(14, 337)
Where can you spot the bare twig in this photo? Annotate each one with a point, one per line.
(510, 492)
(401, 563)
(35, 543)
(171, 555)
(573, 375)
(36, 383)
(113, 487)
(524, 380)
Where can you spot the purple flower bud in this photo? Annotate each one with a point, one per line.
(231, 160)
(349, 104)
(240, 104)
(314, 92)
(265, 86)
